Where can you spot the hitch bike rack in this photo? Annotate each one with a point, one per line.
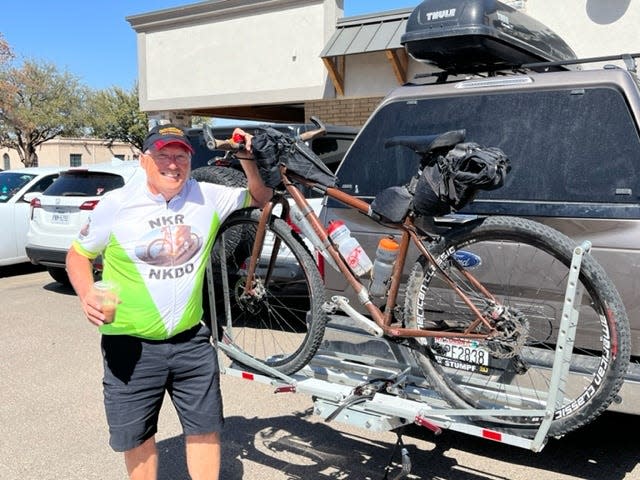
(354, 396)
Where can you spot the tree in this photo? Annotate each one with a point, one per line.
(38, 103)
(6, 53)
(115, 115)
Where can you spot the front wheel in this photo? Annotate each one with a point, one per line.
(281, 321)
(525, 265)
(59, 275)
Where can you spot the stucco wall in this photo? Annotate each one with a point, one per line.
(591, 27)
(235, 53)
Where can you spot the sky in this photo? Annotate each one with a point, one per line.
(93, 41)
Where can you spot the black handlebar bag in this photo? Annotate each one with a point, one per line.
(272, 148)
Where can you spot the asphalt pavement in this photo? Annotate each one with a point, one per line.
(52, 423)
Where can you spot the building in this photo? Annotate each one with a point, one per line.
(285, 60)
(71, 152)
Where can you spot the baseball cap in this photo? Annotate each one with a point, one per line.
(162, 135)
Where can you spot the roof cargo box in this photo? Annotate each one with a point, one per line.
(470, 36)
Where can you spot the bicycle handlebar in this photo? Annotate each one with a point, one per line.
(235, 144)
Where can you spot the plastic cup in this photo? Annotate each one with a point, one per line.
(106, 293)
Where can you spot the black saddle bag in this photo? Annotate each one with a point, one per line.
(456, 178)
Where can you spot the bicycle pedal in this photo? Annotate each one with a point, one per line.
(329, 307)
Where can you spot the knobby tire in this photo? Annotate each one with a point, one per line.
(283, 323)
(526, 265)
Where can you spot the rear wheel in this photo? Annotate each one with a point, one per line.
(526, 266)
(281, 321)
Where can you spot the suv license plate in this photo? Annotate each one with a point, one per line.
(461, 350)
(60, 218)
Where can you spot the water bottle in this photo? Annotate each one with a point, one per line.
(307, 230)
(383, 266)
(349, 247)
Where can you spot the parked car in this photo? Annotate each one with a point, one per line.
(17, 187)
(62, 209)
(572, 136)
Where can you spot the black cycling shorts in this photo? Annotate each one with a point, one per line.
(138, 372)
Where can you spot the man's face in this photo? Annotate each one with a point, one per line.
(168, 169)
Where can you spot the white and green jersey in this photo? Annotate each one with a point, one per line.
(156, 252)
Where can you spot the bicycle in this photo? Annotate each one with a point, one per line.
(276, 311)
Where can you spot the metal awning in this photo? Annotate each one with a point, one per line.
(367, 34)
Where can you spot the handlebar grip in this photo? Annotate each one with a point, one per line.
(227, 145)
(311, 134)
(317, 122)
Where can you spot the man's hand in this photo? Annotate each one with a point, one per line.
(260, 193)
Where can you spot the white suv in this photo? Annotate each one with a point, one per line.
(62, 209)
(17, 188)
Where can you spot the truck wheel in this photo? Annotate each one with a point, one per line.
(59, 275)
(232, 178)
(220, 175)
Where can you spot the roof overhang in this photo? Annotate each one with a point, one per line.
(367, 34)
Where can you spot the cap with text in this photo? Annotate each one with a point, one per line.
(162, 135)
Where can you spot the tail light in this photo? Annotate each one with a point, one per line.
(318, 256)
(293, 225)
(34, 203)
(89, 205)
(320, 262)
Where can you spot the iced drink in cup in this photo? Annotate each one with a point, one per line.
(107, 295)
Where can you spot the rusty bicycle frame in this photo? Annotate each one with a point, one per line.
(409, 234)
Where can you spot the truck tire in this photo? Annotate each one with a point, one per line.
(233, 178)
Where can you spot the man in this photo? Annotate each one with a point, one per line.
(155, 236)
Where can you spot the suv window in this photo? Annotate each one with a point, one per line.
(541, 131)
(90, 184)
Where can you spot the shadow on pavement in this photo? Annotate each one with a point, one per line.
(19, 269)
(597, 451)
(303, 451)
(59, 288)
(289, 444)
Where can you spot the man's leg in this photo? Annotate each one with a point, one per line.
(142, 461)
(135, 375)
(195, 392)
(203, 456)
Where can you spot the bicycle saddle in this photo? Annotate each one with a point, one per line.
(423, 144)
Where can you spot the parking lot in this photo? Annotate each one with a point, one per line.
(53, 424)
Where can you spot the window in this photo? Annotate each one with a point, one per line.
(6, 161)
(75, 159)
(121, 157)
(83, 183)
(42, 184)
(561, 156)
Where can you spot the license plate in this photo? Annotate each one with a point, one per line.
(461, 350)
(60, 218)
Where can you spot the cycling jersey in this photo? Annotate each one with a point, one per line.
(156, 252)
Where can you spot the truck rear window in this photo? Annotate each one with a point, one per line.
(575, 145)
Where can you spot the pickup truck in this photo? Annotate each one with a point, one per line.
(569, 126)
